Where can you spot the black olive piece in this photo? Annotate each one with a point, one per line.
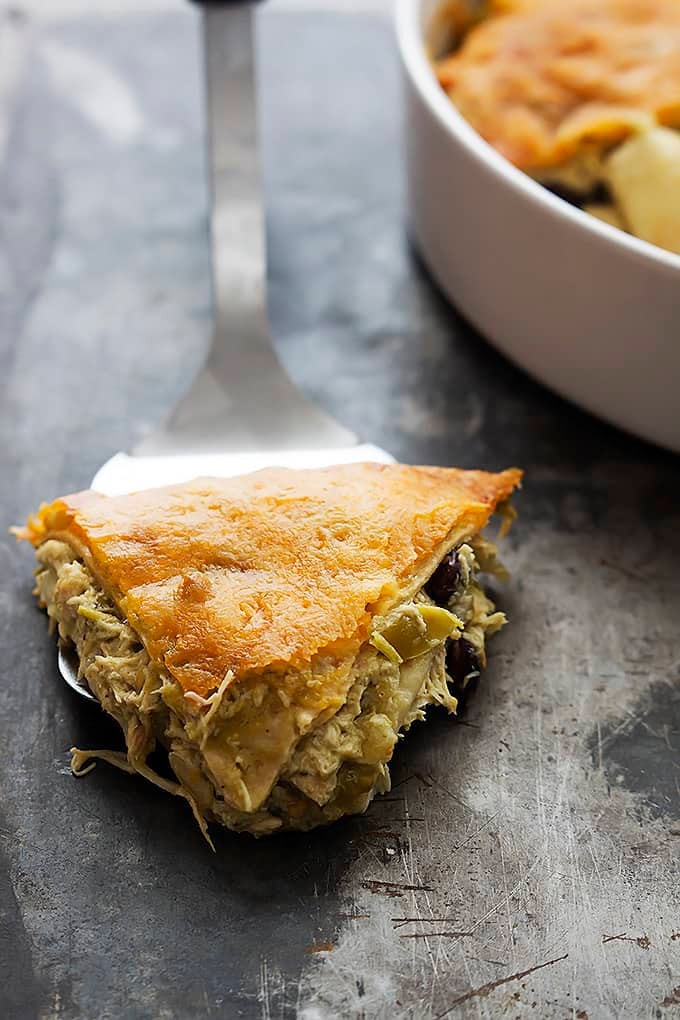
(444, 583)
(599, 193)
(461, 660)
(465, 696)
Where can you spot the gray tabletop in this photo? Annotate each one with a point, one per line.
(526, 863)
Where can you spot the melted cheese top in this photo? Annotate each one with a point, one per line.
(544, 81)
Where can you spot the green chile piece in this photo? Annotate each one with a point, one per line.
(417, 630)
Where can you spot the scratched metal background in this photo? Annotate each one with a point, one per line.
(526, 863)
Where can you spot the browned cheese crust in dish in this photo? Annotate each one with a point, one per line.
(583, 95)
(274, 632)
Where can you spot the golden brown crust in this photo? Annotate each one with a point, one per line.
(542, 79)
(270, 569)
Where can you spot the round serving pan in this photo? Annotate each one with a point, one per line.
(585, 308)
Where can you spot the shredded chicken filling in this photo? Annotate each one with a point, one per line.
(313, 770)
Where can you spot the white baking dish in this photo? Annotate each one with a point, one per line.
(587, 309)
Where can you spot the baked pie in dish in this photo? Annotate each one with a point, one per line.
(583, 95)
(277, 632)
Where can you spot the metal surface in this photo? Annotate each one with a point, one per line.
(526, 862)
(67, 661)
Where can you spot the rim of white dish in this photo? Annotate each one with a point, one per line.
(412, 48)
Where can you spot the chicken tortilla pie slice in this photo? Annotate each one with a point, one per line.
(277, 631)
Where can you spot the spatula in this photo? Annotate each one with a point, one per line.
(242, 411)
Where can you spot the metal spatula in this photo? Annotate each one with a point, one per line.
(242, 412)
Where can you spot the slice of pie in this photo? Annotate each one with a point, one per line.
(274, 632)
